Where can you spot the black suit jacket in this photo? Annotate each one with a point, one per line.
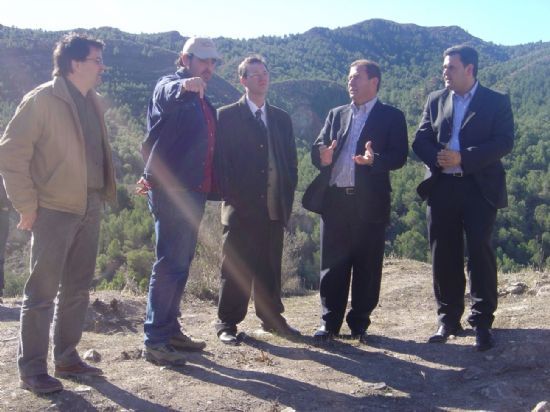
(387, 130)
(486, 135)
(242, 161)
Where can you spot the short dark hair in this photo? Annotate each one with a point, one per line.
(72, 46)
(253, 59)
(372, 69)
(468, 55)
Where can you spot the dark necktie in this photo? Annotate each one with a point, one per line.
(260, 121)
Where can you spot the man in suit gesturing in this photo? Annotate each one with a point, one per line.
(358, 146)
(256, 156)
(464, 132)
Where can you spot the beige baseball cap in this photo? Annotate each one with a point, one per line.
(201, 47)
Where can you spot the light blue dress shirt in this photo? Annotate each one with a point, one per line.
(460, 106)
(343, 172)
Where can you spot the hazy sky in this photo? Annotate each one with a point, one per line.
(499, 21)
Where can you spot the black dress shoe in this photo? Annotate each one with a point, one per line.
(361, 337)
(443, 333)
(484, 339)
(229, 338)
(323, 334)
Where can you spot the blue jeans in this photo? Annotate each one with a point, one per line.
(177, 215)
(63, 255)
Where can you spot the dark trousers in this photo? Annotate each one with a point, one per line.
(349, 246)
(456, 208)
(4, 231)
(63, 256)
(251, 259)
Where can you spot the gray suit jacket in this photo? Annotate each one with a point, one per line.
(242, 161)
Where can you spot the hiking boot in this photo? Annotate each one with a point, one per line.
(182, 342)
(76, 370)
(42, 383)
(163, 354)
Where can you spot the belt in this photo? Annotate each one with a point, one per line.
(458, 174)
(348, 191)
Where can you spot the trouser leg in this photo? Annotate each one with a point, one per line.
(236, 278)
(479, 219)
(267, 275)
(336, 259)
(177, 215)
(4, 231)
(74, 295)
(446, 236)
(52, 236)
(367, 274)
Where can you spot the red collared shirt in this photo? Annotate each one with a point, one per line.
(207, 183)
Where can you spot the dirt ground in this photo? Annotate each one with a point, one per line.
(396, 371)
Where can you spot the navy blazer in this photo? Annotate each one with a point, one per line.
(386, 128)
(242, 161)
(486, 135)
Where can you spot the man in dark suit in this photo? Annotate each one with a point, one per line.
(464, 132)
(256, 155)
(358, 146)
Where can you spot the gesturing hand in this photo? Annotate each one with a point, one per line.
(194, 84)
(367, 158)
(326, 153)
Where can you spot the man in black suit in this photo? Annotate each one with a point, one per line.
(464, 132)
(256, 156)
(355, 151)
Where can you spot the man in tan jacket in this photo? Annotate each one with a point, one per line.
(57, 168)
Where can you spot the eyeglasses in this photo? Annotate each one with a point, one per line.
(98, 60)
(257, 75)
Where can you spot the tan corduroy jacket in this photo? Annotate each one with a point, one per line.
(42, 153)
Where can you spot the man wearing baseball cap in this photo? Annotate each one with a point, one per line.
(178, 178)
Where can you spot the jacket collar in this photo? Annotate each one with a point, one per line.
(345, 124)
(183, 73)
(61, 90)
(474, 105)
(347, 114)
(247, 113)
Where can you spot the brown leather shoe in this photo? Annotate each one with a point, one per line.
(42, 383)
(80, 368)
(183, 342)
